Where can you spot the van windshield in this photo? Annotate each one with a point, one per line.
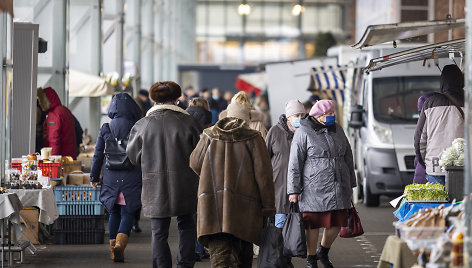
(395, 99)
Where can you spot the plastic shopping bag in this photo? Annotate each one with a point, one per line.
(271, 248)
(293, 233)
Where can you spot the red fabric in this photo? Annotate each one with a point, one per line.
(335, 218)
(246, 87)
(59, 127)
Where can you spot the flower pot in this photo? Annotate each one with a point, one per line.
(455, 183)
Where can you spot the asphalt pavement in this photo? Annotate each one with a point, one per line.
(363, 251)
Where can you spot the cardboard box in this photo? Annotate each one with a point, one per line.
(29, 224)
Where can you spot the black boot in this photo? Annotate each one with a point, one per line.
(136, 227)
(322, 255)
(311, 261)
(288, 262)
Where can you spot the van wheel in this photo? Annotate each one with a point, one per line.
(370, 200)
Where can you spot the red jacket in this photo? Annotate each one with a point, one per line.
(59, 127)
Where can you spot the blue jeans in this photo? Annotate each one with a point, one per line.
(280, 220)
(436, 179)
(120, 221)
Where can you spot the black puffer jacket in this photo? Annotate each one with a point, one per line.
(203, 116)
(161, 144)
(440, 120)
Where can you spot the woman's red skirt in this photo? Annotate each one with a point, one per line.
(328, 219)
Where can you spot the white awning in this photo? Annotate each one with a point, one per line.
(88, 85)
(381, 33)
(423, 53)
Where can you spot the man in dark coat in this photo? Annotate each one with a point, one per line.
(161, 144)
(143, 101)
(118, 184)
(59, 126)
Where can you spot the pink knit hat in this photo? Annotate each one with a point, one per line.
(321, 107)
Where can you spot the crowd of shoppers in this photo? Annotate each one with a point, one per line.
(214, 177)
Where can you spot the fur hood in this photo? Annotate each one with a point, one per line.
(231, 129)
(159, 107)
(256, 116)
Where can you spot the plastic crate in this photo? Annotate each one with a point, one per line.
(79, 237)
(76, 193)
(79, 223)
(50, 170)
(80, 208)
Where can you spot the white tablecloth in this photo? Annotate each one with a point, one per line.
(10, 206)
(41, 198)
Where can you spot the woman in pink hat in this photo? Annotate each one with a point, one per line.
(320, 178)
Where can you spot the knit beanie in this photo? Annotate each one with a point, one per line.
(321, 107)
(239, 110)
(294, 107)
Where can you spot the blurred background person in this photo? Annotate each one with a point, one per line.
(200, 110)
(59, 130)
(143, 101)
(256, 117)
(228, 96)
(262, 105)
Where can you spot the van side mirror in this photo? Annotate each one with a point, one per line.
(357, 117)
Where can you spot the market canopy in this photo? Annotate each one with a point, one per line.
(381, 33)
(454, 48)
(88, 85)
(328, 82)
(250, 82)
(7, 6)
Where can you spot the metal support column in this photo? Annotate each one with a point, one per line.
(133, 38)
(468, 124)
(120, 37)
(60, 28)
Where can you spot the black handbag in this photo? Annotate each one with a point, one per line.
(293, 232)
(271, 248)
(115, 153)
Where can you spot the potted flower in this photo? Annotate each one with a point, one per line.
(452, 161)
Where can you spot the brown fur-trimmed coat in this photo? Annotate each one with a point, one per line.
(236, 189)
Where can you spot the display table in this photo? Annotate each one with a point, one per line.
(10, 207)
(407, 209)
(41, 198)
(396, 252)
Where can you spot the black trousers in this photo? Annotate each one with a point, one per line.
(161, 256)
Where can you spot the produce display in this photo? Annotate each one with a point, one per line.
(425, 192)
(454, 155)
(3, 190)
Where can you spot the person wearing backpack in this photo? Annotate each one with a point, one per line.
(122, 182)
(441, 122)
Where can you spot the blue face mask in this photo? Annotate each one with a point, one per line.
(330, 120)
(295, 122)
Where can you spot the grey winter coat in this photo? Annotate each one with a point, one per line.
(321, 167)
(161, 144)
(278, 143)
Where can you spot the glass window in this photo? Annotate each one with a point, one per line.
(272, 19)
(216, 18)
(234, 20)
(395, 99)
(201, 19)
(254, 19)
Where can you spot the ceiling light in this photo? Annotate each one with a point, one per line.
(244, 9)
(297, 10)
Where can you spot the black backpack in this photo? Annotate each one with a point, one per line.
(115, 153)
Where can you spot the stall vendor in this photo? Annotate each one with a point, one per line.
(59, 126)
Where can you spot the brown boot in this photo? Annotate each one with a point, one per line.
(112, 245)
(119, 249)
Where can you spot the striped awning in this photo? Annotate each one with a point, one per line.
(328, 82)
